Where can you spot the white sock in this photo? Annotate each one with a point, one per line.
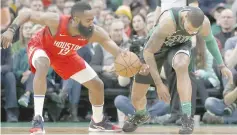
(39, 104)
(97, 113)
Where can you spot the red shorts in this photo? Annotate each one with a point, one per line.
(64, 66)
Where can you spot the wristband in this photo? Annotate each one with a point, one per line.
(14, 27)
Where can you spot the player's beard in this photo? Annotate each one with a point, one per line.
(85, 31)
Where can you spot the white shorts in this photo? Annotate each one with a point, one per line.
(82, 76)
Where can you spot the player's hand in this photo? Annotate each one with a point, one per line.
(109, 69)
(228, 74)
(24, 78)
(163, 92)
(26, 73)
(6, 39)
(144, 69)
(124, 53)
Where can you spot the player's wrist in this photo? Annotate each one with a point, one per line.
(13, 28)
(221, 66)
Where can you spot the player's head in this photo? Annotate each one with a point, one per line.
(193, 20)
(82, 17)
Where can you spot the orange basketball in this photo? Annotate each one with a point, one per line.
(127, 65)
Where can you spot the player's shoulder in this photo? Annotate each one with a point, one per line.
(206, 27)
(167, 22)
(206, 22)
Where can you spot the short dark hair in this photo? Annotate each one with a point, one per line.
(195, 16)
(80, 7)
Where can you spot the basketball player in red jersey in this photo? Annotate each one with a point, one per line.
(56, 46)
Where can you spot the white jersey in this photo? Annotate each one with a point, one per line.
(167, 4)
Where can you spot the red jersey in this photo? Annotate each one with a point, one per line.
(61, 48)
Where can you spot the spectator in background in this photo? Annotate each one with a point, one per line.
(103, 62)
(234, 9)
(139, 26)
(108, 20)
(102, 16)
(60, 4)
(25, 35)
(208, 5)
(150, 20)
(227, 22)
(8, 82)
(98, 6)
(36, 5)
(54, 9)
(125, 14)
(224, 110)
(216, 12)
(68, 6)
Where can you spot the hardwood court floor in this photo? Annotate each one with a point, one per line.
(147, 129)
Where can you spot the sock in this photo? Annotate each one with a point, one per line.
(141, 112)
(38, 104)
(97, 113)
(186, 108)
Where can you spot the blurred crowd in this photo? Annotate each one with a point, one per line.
(127, 22)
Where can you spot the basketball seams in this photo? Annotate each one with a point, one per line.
(127, 64)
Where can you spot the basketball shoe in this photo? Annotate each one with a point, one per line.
(104, 125)
(134, 121)
(37, 125)
(187, 125)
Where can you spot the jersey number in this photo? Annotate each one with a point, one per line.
(64, 51)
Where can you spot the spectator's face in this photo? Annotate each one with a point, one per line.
(37, 5)
(116, 31)
(226, 19)
(150, 19)
(54, 9)
(98, 6)
(102, 16)
(138, 23)
(67, 7)
(26, 29)
(60, 4)
(125, 20)
(108, 20)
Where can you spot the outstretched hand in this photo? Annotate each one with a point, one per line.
(6, 39)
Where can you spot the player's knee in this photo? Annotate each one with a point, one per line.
(42, 66)
(98, 84)
(119, 101)
(181, 62)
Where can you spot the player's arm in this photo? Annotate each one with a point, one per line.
(44, 18)
(165, 28)
(210, 41)
(101, 36)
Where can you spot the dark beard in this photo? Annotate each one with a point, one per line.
(85, 31)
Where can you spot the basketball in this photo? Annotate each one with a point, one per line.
(127, 65)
